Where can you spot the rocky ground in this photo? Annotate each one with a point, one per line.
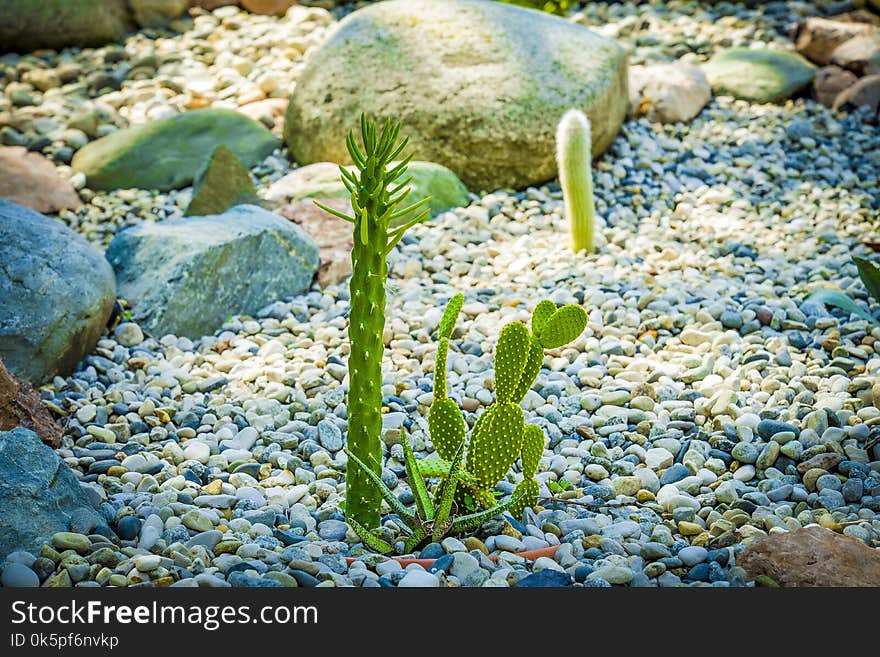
(706, 406)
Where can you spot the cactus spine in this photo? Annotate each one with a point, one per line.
(574, 162)
(376, 191)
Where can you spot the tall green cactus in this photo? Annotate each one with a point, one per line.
(376, 192)
(574, 162)
(500, 435)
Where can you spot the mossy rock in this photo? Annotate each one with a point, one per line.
(478, 86)
(31, 24)
(761, 75)
(169, 153)
(224, 183)
(322, 180)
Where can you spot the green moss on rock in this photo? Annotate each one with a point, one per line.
(761, 75)
(169, 153)
(224, 183)
(480, 86)
(27, 25)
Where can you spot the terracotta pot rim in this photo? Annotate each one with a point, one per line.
(530, 555)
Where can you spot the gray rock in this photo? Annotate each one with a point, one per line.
(28, 25)
(38, 493)
(332, 530)
(508, 75)
(329, 435)
(57, 293)
(463, 563)
(16, 575)
(419, 579)
(187, 276)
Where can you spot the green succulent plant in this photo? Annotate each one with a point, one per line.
(434, 515)
(869, 273)
(574, 163)
(376, 192)
(500, 435)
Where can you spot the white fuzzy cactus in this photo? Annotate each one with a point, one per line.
(574, 162)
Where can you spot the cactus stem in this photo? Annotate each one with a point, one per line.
(574, 161)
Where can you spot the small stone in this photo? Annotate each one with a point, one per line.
(416, 578)
(71, 541)
(195, 450)
(197, 521)
(128, 334)
(691, 556)
(330, 436)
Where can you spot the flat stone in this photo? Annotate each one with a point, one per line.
(169, 153)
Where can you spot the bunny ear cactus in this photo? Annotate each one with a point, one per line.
(500, 435)
(376, 192)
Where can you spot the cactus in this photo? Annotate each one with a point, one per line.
(500, 435)
(433, 518)
(574, 162)
(376, 192)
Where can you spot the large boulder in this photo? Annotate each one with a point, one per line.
(31, 180)
(813, 556)
(760, 75)
(39, 494)
(322, 180)
(57, 293)
(169, 153)
(31, 24)
(479, 87)
(187, 276)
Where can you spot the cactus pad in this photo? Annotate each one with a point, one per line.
(497, 444)
(447, 427)
(543, 311)
(510, 359)
(532, 449)
(526, 493)
(447, 323)
(531, 370)
(564, 325)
